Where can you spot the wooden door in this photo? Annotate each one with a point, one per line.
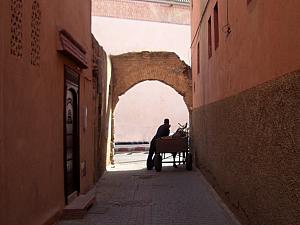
(71, 128)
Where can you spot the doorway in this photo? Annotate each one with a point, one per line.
(71, 135)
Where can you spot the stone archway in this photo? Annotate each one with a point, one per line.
(132, 68)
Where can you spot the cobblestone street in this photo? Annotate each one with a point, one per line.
(128, 194)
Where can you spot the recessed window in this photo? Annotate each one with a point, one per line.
(216, 25)
(209, 38)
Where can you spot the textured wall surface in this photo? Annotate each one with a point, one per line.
(247, 146)
(263, 45)
(99, 83)
(32, 111)
(141, 10)
(132, 68)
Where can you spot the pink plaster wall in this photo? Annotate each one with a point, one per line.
(263, 44)
(245, 107)
(32, 174)
(142, 10)
(118, 36)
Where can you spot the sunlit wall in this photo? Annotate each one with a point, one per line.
(119, 36)
(139, 113)
(142, 109)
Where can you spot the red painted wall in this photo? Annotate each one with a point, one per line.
(263, 44)
(32, 173)
(246, 106)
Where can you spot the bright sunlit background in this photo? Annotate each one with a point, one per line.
(139, 111)
(142, 109)
(122, 36)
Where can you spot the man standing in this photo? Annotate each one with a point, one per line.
(162, 131)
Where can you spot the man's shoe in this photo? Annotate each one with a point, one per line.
(175, 166)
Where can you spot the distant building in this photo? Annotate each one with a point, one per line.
(124, 26)
(163, 11)
(246, 82)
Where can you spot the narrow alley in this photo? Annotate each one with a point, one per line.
(94, 93)
(128, 194)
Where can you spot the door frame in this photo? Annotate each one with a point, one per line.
(72, 78)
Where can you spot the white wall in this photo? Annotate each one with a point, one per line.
(119, 36)
(147, 110)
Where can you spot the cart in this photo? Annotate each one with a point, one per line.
(172, 144)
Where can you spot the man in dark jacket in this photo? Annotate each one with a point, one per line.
(162, 131)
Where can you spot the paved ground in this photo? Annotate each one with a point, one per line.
(128, 194)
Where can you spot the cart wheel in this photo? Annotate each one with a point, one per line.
(189, 161)
(157, 162)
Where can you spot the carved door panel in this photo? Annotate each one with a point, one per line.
(71, 127)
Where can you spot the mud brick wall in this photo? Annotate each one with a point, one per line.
(247, 146)
(132, 68)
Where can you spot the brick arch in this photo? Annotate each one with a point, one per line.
(132, 68)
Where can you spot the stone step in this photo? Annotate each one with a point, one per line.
(78, 208)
